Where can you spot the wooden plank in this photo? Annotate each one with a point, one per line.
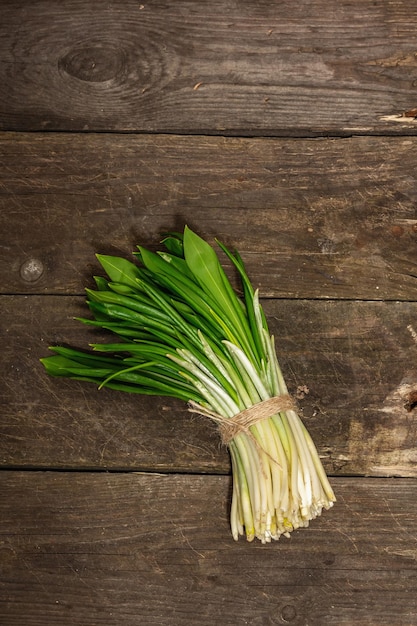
(351, 364)
(322, 67)
(312, 218)
(132, 549)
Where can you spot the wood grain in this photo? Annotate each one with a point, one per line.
(266, 68)
(217, 115)
(146, 549)
(350, 364)
(312, 218)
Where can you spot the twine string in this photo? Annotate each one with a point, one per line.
(229, 427)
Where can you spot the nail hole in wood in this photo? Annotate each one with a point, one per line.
(411, 403)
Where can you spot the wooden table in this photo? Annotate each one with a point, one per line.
(285, 129)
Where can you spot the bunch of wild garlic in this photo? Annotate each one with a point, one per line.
(183, 332)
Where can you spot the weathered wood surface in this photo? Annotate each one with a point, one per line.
(312, 218)
(287, 68)
(328, 229)
(352, 365)
(146, 549)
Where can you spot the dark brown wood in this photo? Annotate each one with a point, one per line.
(132, 549)
(312, 218)
(287, 68)
(197, 108)
(351, 364)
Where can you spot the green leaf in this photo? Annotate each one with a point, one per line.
(166, 265)
(205, 266)
(134, 302)
(85, 358)
(103, 310)
(102, 284)
(249, 296)
(120, 270)
(126, 332)
(174, 243)
(121, 289)
(163, 301)
(178, 263)
(61, 366)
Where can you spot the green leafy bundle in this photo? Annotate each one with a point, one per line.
(182, 331)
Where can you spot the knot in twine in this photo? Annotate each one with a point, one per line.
(229, 427)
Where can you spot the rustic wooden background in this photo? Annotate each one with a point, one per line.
(287, 129)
